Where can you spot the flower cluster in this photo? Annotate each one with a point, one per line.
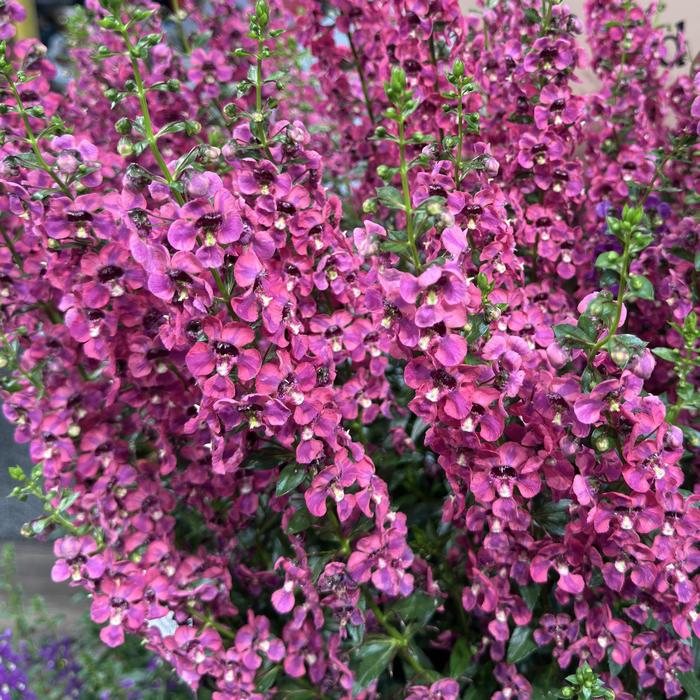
(336, 354)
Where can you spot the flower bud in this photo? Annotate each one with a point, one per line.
(173, 85)
(383, 171)
(595, 308)
(123, 126)
(125, 147)
(192, 127)
(620, 356)
(229, 151)
(398, 79)
(369, 206)
(262, 13)
(602, 443)
(66, 161)
(491, 167)
(136, 178)
(210, 154)
(110, 23)
(434, 208)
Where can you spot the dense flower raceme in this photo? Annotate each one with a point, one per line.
(334, 354)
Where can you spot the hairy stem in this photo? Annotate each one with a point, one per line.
(177, 13)
(363, 78)
(401, 641)
(33, 142)
(148, 121)
(403, 168)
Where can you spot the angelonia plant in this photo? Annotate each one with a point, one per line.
(354, 343)
(44, 656)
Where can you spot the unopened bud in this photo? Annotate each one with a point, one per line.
(369, 206)
(125, 147)
(602, 443)
(123, 126)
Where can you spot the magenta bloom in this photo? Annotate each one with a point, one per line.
(207, 225)
(77, 559)
(254, 640)
(80, 218)
(118, 602)
(446, 689)
(503, 471)
(224, 351)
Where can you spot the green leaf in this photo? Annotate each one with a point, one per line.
(683, 254)
(640, 287)
(398, 247)
(266, 679)
(418, 607)
(300, 521)
(390, 197)
(668, 354)
(530, 594)
(171, 128)
(290, 477)
(476, 327)
(295, 692)
(521, 645)
(67, 500)
(460, 657)
(610, 260)
(691, 684)
(553, 516)
(640, 241)
(614, 667)
(17, 473)
(532, 16)
(372, 659)
(571, 335)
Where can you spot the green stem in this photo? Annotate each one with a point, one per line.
(401, 640)
(460, 141)
(51, 311)
(209, 621)
(403, 168)
(363, 79)
(153, 145)
(626, 260)
(534, 256)
(436, 84)
(11, 247)
(148, 121)
(546, 15)
(31, 137)
(187, 48)
(262, 132)
(56, 517)
(223, 291)
(620, 298)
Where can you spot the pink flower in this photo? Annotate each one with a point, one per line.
(254, 640)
